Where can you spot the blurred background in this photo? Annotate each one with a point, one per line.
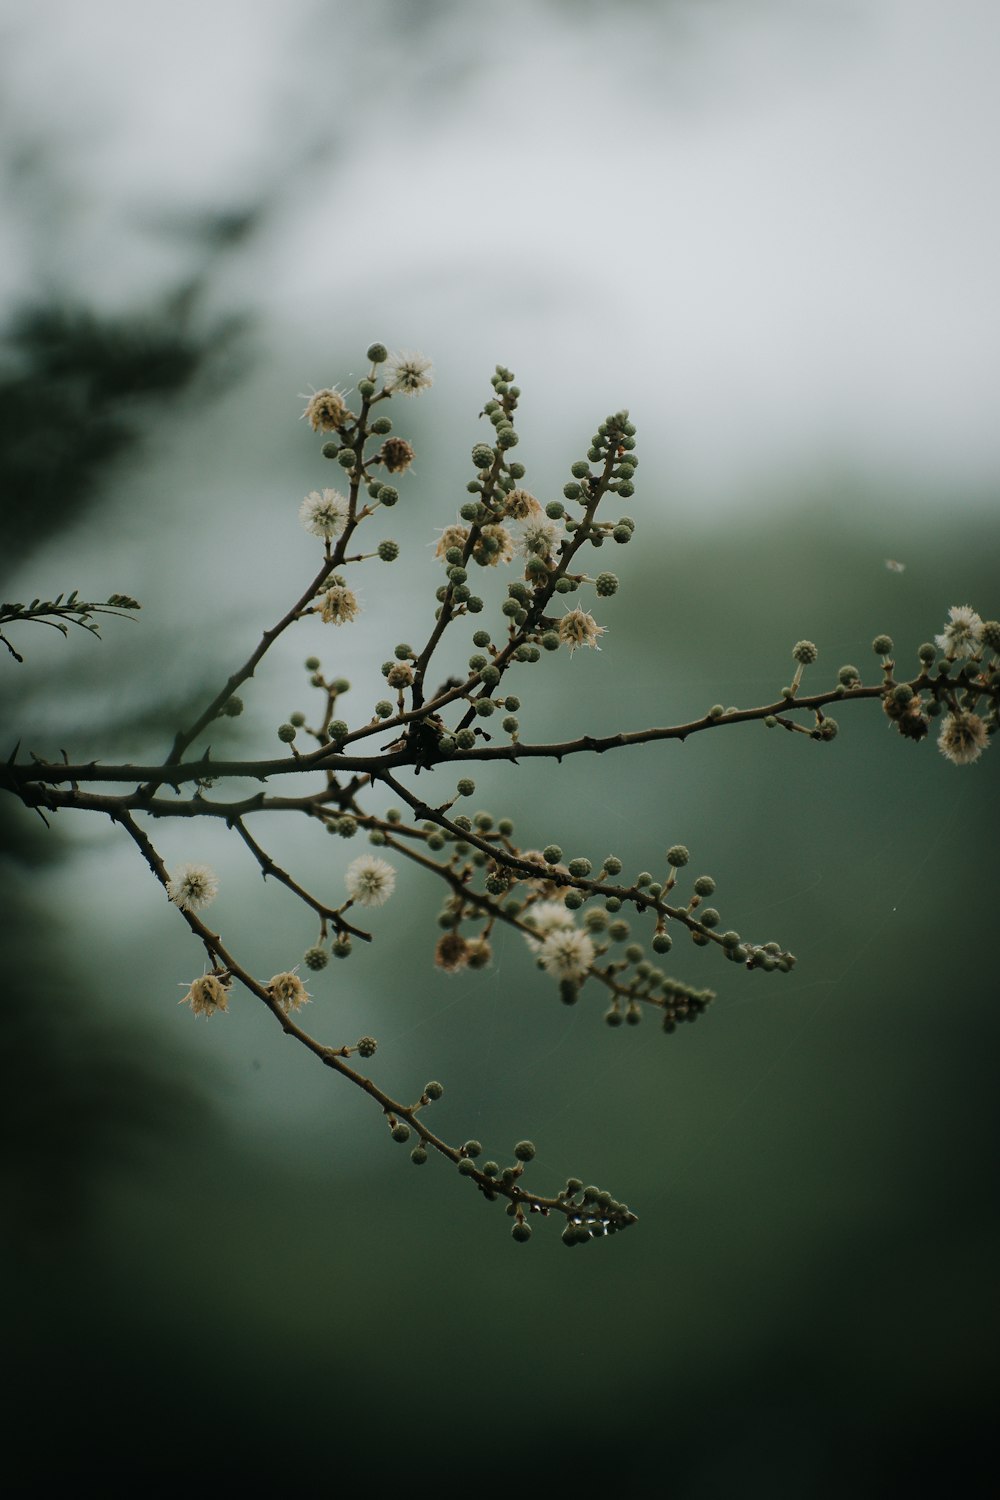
(767, 227)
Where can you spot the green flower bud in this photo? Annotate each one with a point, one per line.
(613, 903)
(378, 354)
(383, 709)
(677, 855)
(804, 652)
(606, 584)
(573, 900)
(882, 645)
(341, 948)
(555, 510)
(472, 1148)
(572, 491)
(315, 958)
(388, 495)
(286, 733)
(622, 534)
(467, 1167)
(484, 707)
(709, 917)
(466, 787)
(552, 854)
(521, 1232)
(381, 426)
(367, 1046)
(297, 719)
(330, 450)
(626, 488)
(482, 456)
(233, 707)
(366, 387)
(465, 739)
(507, 438)
(510, 725)
(388, 550)
(550, 640)
(401, 1132)
(613, 1017)
(662, 942)
(418, 1155)
(524, 1151)
(347, 458)
(618, 931)
(579, 867)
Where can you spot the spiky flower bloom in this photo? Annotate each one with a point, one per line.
(193, 887)
(397, 455)
(451, 953)
(370, 880)
(519, 505)
(963, 738)
(567, 953)
(325, 411)
(451, 536)
(323, 513)
(289, 991)
(206, 995)
(962, 631)
(540, 538)
(339, 605)
(408, 374)
(493, 545)
(546, 917)
(577, 628)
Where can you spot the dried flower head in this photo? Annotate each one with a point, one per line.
(338, 605)
(493, 545)
(325, 410)
(963, 738)
(193, 887)
(567, 953)
(408, 374)
(323, 513)
(480, 954)
(397, 455)
(207, 995)
(451, 536)
(962, 631)
(577, 628)
(289, 991)
(451, 953)
(521, 506)
(370, 880)
(540, 538)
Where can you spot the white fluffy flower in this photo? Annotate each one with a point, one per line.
(370, 880)
(544, 918)
(567, 953)
(323, 513)
(961, 634)
(409, 374)
(540, 538)
(193, 887)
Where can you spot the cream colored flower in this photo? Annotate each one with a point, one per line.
(493, 545)
(338, 605)
(961, 633)
(323, 513)
(206, 995)
(370, 880)
(289, 991)
(325, 410)
(540, 538)
(567, 953)
(577, 628)
(408, 374)
(519, 505)
(963, 738)
(546, 917)
(193, 887)
(451, 536)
